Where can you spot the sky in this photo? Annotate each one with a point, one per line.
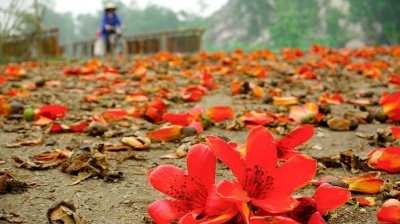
(93, 6)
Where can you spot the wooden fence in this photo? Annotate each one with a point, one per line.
(31, 45)
(184, 41)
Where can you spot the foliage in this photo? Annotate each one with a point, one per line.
(379, 20)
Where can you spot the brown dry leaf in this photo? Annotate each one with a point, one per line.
(137, 142)
(352, 163)
(329, 162)
(8, 184)
(22, 162)
(81, 177)
(115, 148)
(11, 217)
(180, 152)
(130, 155)
(53, 156)
(90, 164)
(64, 212)
(25, 143)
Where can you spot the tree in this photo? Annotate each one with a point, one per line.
(379, 19)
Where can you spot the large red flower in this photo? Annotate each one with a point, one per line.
(259, 180)
(193, 192)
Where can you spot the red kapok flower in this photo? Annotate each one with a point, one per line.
(395, 131)
(220, 113)
(386, 159)
(52, 111)
(193, 192)
(391, 105)
(389, 212)
(259, 180)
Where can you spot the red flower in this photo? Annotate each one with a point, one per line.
(386, 159)
(220, 113)
(391, 105)
(389, 212)
(193, 192)
(52, 111)
(259, 180)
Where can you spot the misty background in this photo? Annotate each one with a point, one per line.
(244, 24)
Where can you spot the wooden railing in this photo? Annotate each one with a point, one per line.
(184, 41)
(31, 45)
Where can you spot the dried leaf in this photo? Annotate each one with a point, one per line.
(64, 212)
(25, 143)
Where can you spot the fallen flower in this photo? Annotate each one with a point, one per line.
(259, 180)
(395, 131)
(220, 113)
(52, 111)
(386, 159)
(364, 201)
(192, 191)
(389, 212)
(306, 114)
(368, 183)
(391, 105)
(255, 118)
(166, 133)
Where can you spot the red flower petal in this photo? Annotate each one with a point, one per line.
(297, 112)
(136, 97)
(165, 211)
(115, 114)
(78, 127)
(330, 197)
(295, 138)
(197, 125)
(276, 203)
(260, 153)
(56, 128)
(232, 192)
(52, 111)
(272, 220)
(215, 205)
(43, 121)
(389, 212)
(305, 169)
(371, 186)
(316, 218)
(395, 131)
(223, 151)
(183, 119)
(176, 183)
(167, 133)
(220, 113)
(389, 160)
(201, 163)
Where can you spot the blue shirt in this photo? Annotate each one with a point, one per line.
(112, 21)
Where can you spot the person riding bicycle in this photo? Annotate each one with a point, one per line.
(109, 24)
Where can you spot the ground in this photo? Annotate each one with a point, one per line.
(126, 200)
